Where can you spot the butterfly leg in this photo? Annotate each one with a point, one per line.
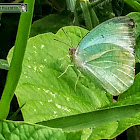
(65, 70)
(77, 79)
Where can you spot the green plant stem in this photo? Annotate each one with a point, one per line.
(17, 59)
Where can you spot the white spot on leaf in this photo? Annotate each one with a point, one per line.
(34, 47)
(59, 106)
(52, 94)
(41, 103)
(45, 60)
(49, 101)
(46, 90)
(42, 46)
(35, 68)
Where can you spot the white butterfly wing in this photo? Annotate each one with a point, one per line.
(106, 54)
(118, 31)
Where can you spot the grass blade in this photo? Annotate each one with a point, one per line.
(16, 63)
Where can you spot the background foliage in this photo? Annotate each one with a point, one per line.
(42, 97)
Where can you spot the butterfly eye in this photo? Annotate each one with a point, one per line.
(72, 51)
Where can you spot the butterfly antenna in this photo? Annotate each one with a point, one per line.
(67, 36)
(62, 42)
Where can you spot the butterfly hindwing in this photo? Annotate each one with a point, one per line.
(111, 65)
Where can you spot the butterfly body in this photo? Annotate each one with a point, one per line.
(105, 54)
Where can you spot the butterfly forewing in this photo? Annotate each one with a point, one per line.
(117, 31)
(106, 54)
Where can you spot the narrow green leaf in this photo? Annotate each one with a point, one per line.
(86, 13)
(16, 63)
(93, 15)
(71, 5)
(134, 4)
(93, 119)
(90, 17)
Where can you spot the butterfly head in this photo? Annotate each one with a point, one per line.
(72, 53)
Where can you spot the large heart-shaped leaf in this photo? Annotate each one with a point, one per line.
(44, 94)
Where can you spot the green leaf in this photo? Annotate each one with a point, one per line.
(136, 17)
(50, 23)
(4, 64)
(11, 130)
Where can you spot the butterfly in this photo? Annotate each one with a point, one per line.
(106, 55)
